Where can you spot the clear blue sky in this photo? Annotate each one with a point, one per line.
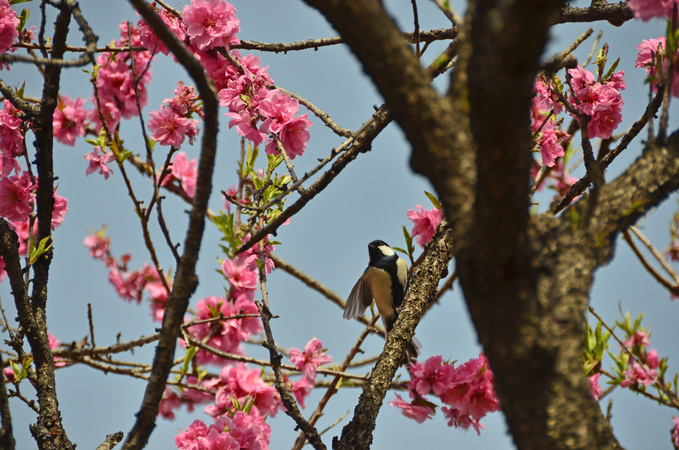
(328, 239)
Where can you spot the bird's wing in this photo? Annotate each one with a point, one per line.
(360, 298)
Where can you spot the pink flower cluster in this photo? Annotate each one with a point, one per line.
(8, 27)
(115, 93)
(11, 138)
(225, 335)
(17, 199)
(647, 9)
(649, 50)
(172, 123)
(239, 431)
(259, 114)
(425, 223)
(601, 101)
(129, 285)
(69, 120)
(545, 124)
(645, 372)
(675, 432)
(307, 361)
(238, 384)
(467, 391)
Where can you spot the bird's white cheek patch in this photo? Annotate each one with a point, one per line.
(386, 250)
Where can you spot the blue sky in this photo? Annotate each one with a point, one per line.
(327, 239)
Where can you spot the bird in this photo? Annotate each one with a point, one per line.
(386, 280)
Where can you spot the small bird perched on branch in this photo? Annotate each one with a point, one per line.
(385, 279)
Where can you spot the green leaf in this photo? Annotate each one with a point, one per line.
(250, 159)
(16, 2)
(409, 242)
(434, 201)
(23, 17)
(40, 250)
(188, 357)
(259, 184)
(612, 69)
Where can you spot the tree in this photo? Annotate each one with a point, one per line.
(525, 277)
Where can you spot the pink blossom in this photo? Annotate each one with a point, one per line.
(9, 374)
(8, 26)
(302, 389)
(59, 211)
(22, 230)
(99, 162)
(54, 345)
(251, 255)
(639, 339)
(225, 335)
(188, 396)
(69, 119)
(470, 389)
(647, 9)
(3, 272)
(278, 108)
(116, 82)
(544, 123)
(17, 197)
(602, 102)
(545, 98)
(652, 359)
(211, 23)
(11, 138)
(424, 376)
(243, 121)
(294, 136)
(458, 420)
(312, 357)
(130, 285)
(637, 373)
(98, 245)
(185, 101)
(158, 296)
(419, 413)
(425, 223)
(151, 41)
(647, 58)
(675, 432)
(239, 275)
(249, 430)
(239, 382)
(169, 128)
(594, 387)
(191, 439)
(186, 172)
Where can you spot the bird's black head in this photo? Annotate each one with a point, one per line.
(379, 250)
